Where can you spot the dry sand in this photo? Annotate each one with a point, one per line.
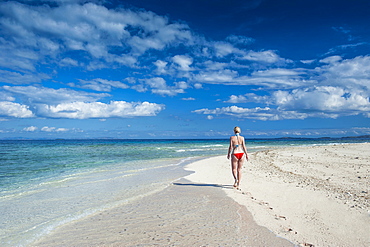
(310, 195)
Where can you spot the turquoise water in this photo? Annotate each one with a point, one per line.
(46, 183)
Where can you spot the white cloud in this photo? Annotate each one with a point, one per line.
(47, 129)
(276, 73)
(53, 129)
(159, 86)
(83, 110)
(348, 73)
(30, 128)
(223, 49)
(17, 57)
(68, 62)
(238, 39)
(21, 78)
(330, 100)
(6, 96)
(332, 59)
(161, 66)
(257, 113)
(308, 61)
(51, 96)
(15, 110)
(213, 65)
(184, 62)
(234, 99)
(102, 33)
(338, 88)
(319, 101)
(188, 99)
(264, 57)
(101, 85)
(96, 37)
(271, 78)
(217, 77)
(66, 103)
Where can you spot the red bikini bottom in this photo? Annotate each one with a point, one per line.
(239, 155)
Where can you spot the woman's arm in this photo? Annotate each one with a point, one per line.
(245, 149)
(230, 147)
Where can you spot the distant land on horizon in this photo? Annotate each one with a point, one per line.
(109, 138)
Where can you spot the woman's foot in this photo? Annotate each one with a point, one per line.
(236, 184)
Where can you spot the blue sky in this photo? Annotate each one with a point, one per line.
(184, 69)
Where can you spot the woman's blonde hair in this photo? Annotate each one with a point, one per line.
(237, 130)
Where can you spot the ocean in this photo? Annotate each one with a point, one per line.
(47, 183)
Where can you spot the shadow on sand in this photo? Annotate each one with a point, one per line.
(205, 185)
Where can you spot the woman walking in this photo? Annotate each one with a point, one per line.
(237, 150)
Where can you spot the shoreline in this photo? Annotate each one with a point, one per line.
(278, 203)
(313, 196)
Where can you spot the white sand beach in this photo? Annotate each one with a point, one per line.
(303, 196)
(310, 195)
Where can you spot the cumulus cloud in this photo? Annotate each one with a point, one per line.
(66, 103)
(12, 109)
(349, 73)
(237, 99)
(83, 110)
(338, 88)
(323, 99)
(318, 101)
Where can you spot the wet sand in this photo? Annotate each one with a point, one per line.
(184, 214)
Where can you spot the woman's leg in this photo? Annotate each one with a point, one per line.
(234, 169)
(239, 171)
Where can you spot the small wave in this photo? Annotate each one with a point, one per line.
(215, 145)
(257, 147)
(57, 181)
(13, 195)
(197, 149)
